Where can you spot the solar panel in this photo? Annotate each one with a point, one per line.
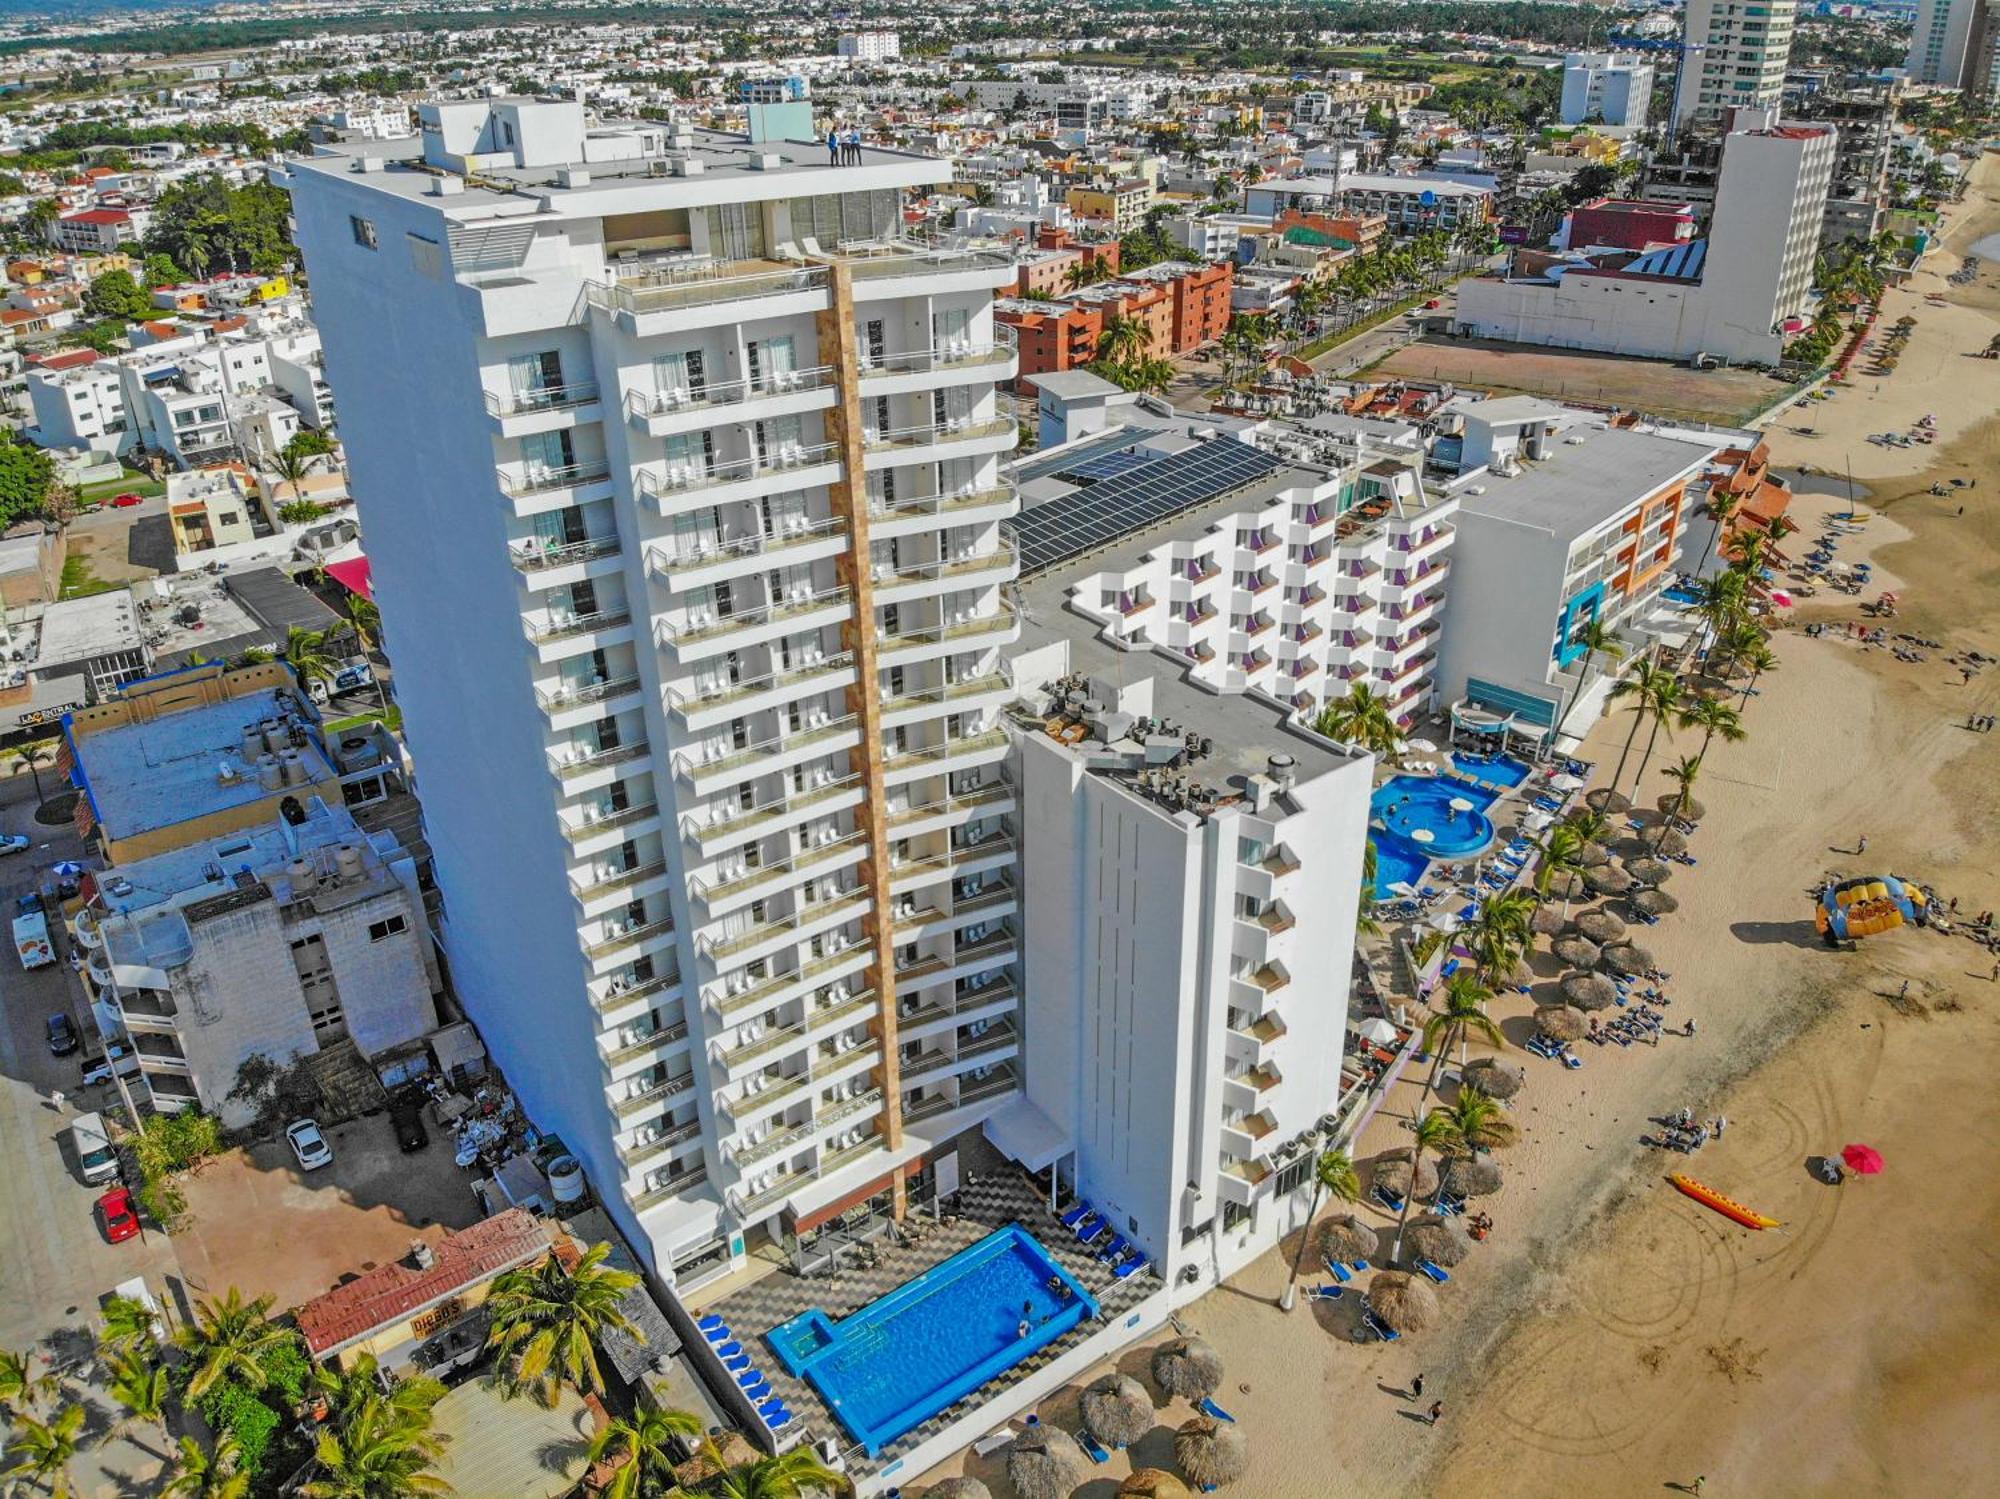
(1106, 466)
(1116, 507)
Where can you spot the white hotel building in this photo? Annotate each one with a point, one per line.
(683, 487)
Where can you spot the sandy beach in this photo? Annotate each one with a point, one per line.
(1615, 1337)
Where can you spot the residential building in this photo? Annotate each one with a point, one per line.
(211, 508)
(1606, 88)
(870, 46)
(1626, 224)
(1563, 520)
(95, 642)
(98, 230)
(1952, 44)
(1411, 204)
(708, 560)
(1859, 197)
(1735, 295)
(1178, 307)
(241, 909)
(79, 406)
(1113, 208)
(1360, 233)
(1733, 56)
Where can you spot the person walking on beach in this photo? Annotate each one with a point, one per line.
(1417, 1388)
(1436, 1410)
(1994, 976)
(1861, 846)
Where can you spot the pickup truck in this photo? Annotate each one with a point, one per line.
(31, 934)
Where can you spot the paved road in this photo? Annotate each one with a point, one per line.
(55, 1267)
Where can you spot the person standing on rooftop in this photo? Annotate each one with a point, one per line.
(832, 146)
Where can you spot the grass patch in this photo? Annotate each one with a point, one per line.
(392, 720)
(80, 581)
(127, 483)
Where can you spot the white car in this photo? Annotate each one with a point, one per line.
(14, 843)
(309, 1145)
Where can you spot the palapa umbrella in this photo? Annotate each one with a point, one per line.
(1652, 902)
(1589, 991)
(1392, 1174)
(1117, 1410)
(1210, 1452)
(1045, 1463)
(1471, 1176)
(1649, 871)
(1547, 920)
(1566, 885)
(1665, 841)
(1154, 1483)
(1670, 806)
(1627, 957)
(1405, 1302)
(958, 1488)
(1442, 1241)
(1600, 926)
(1864, 1159)
(1577, 951)
(1495, 1078)
(1604, 799)
(1609, 880)
(1345, 1237)
(1561, 1023)
(1189, 1368)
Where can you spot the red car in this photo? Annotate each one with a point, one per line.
(119, 1214)
(126, 501)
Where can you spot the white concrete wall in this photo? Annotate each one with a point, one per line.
(1506, 594)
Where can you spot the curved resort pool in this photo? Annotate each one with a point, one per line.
(1405, 805)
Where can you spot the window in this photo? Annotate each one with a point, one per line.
(394, 926)
(1294, 1176)
(364, 231)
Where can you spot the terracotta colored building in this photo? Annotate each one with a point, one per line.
(1180, 306)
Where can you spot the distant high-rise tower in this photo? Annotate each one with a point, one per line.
(1953, 44)
(1735, 55)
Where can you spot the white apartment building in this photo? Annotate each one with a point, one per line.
(1611, 88)
(682, 476)
(1953, 43)
(82, 407)
(1733, 56)
(278, 940)
(870, 46)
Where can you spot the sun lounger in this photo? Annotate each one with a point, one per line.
(1131, 1267)
(1114, 1251)
(770, 1410)
(719, 1333)
(1435, 1272)
(1088, 1227)
(1388, 1199)
(712, 1320)
(759, 1391)
(1091, 1445)
(1210, 1408)
(1361, 1267)
(728, 1350)
(783, 1420)
(1076, 1215)
(1089, 1236)
(1380, 1328)
(736, 1361)
(1338, 1271)
(1324, 1293)
(749, 1377)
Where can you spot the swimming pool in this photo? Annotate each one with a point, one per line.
(1503, 771)
(1405, 805)
(933, 1340)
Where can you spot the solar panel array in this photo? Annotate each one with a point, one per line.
(1041, 465)
(1058, 529)
(1105, 466)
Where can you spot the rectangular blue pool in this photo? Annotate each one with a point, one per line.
(1502, 771)
(933, 1340)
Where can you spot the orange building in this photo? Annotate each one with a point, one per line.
(1359, 232)
(1180, 307)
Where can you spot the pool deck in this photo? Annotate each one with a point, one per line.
(1000, 1197)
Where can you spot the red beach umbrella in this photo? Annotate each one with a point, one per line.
(1863, 1159)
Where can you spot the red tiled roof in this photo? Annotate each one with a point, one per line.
(397, 1290)
(69, 359)
(98, 216)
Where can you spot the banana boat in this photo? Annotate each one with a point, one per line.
(1708, 1197)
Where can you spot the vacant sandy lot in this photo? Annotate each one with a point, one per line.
(1726, 397)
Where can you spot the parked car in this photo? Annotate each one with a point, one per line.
(127, 500)
(309, 1145)
(14, 843)
(406, 1112)
(98, 1069)
(119, 1215)
(62, 1035)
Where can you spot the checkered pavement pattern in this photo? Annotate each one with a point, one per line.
(1002, 1197)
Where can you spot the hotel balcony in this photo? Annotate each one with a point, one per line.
(1001, 627)
(1251, 1137)
(592, 827)
(726, 825)
(706, 634)
(618, 946)
(594, 889)
(533, 491)
(668, 1190)
(934, 443)
(689, 485)
(557, 565)
(731, 767)
(689, 565)
(580, 767)
(638, 1152)
(923, 579)
(930, 369)
(567, 707)
(630, 1098)
(915, 704)
(719, 895)
(1004, 1080)
(996, 851)
(610, 1001)
(654, 1044)
(1250, 1089)
(1241, 1182)
(923, 514)
(519, 413)
(738, 1005)
(676, 300)
(568, 635)
(952, 755)
(717, 705)
(780, 393)
(767, 937)
(950, 811)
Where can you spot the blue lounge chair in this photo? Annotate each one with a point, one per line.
(1076, 1214)
(1114, 1251)
(719, 1333)
(770, 1407)
(1324, 1293)
(729, 1349)
(712, 1320)
(736, 1361)
(1131, 1267)
(780, 1422)
(1210, 1408)
(1338, 1271)
(1382, 1329)
(1091, 1445)
(749, 1377)
(759, 1391)
(1097, 1229)
(1360, 1266)
(1434, 1271)
(1388, 1199)
(1088, 1227)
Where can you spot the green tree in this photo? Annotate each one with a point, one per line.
(1597, 639)
(1683, 774)
(227, 1340)
(546, 1320)
(31, 758)
(26, 473)
(140, 1383)
(202, 1473)
(1640, 687)
(1124, 340)
(1758, 658)
(1561, 855)
(1500, 936)
(128, 1323)
(373, 1450)
(798, 1474)
(161, 271)
(1477, 1123)
(1431, 1133)
(1664, 703)
(116, 295)
(20, 1386)
(643, 1449)
(1716, 719)
(43, 1450)
(1333, 1176)
(310, 442)
(308, 655)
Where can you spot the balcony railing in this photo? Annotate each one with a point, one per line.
(965, 430)
(971, 744)
(840, 906)
(793, 803)
(580, 761)
(924, 360)
(548, 398)
(666, 1088)
(613, 999)
(648, 403)
(805, 859)
(671, 290)
(544, 480)
(654, 1196)
(618, 879)
(694, 768)
(985, 624)
(642, 1151)
(669, 482)
(704, 627)
(999, 559)
(715, 698)
(665, 1035)
(577, 697)
(941, 504)
(534, 557)
(571, 626)
(681, 558)
(613, 941)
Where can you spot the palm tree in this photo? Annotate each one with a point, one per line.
(643, 1448)
(1683, 774)
(1588, 823)
(1333, 1175)
(1500, 936)
(1125, 340)
(141, 1385)
(1664, 703)
(1721, 508)
(307, 654)
(547, 1319)
(1641, 686)
(1716, 720)
(204, 1474)
(376, 1452)
(1718, 605)
(1433, 1132)
(1560, 851)
(1597, 639)
(798, 1474)
(1477, 1123)
(20, 1385)
(227, 1340)
(31, 758)
(1361, 717)
(43, 1450)
(1365, 924)
(1760, 658)
(291, 466)
(128, 1322)
(1463, 996)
